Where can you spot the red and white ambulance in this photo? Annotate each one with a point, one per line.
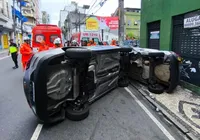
(86, 36)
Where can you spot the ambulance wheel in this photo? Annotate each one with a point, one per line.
(156, 88)
(77, 114)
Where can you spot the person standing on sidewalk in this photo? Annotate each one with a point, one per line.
(13, 50)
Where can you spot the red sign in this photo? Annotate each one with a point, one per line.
(111, 23)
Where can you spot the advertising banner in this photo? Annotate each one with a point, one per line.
(106, 23)
(111, 23)
(92, 23)
(192, 20)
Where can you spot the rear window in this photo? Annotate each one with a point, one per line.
(53, 37)
(87, 39)
(39, 38)
(96, 40)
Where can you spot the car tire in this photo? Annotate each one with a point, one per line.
(77, 52)
(156, 88)
(77, 115)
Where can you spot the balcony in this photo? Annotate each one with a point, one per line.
(28, 13)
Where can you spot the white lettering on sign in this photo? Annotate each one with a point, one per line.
(192, 22)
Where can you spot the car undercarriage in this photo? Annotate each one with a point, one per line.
(62, 83)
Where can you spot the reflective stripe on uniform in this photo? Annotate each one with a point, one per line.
(12, 49)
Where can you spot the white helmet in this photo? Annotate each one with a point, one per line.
(57, 41)
(74, 42)
(26, 38)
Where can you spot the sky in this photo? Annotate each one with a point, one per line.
(53, 7)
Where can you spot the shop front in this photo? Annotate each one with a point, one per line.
(186, 42)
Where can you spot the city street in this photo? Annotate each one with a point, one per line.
(121, 115)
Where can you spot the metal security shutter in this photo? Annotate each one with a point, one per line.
(185, 42)
(153, 43)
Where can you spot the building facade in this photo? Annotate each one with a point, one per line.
(32, 12)
(174, 25)
(132, 22)
(68, 19)
(6, 23)
(45, 17)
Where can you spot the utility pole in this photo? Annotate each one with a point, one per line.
(21, 20)
(121, 21)
(79, 22)
(14, 19)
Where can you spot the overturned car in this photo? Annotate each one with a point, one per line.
(62, 83)
(159, 70)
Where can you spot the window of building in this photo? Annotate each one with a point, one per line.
(39, 38)
(8, 13)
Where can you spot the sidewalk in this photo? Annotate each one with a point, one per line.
(3, 51)
(183, 105)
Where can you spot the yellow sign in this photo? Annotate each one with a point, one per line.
(5, 41)
(92, 24)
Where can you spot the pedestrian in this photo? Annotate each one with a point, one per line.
(13, 50)
(26, 51)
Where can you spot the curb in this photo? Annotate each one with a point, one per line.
(178, 125)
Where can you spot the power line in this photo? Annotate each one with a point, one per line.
(92, 6)
(101, 5)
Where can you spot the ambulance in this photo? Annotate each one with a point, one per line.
(86, 36)
(46, 32)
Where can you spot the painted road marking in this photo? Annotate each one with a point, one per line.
(162, 128)
(37, 132)
(4, 57)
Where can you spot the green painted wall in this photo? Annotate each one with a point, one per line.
(154, 10)
(131, 17)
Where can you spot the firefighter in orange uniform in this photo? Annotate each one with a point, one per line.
(91, 43)
(113, 43)
(43, 46)
(26, 51)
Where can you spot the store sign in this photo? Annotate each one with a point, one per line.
(92, 23)
(192, 20)
(155, 35)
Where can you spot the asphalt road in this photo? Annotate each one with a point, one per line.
(116, 116)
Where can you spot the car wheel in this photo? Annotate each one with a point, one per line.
(77, 114)
(156, 88)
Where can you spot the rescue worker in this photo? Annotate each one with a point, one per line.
(43, 46)
(26, 51)
(91, 43)
(57, 43)
(13, 50)
(113, 43)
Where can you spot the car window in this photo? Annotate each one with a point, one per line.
(53, 37)
(85, 39)
(39, 38)
(96, 40)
